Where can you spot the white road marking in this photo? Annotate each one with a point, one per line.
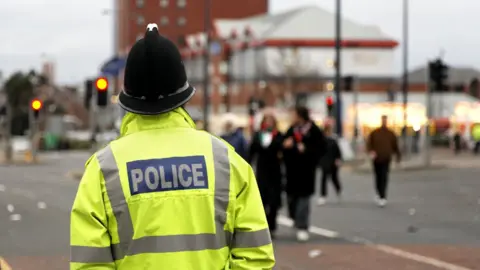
(419, 258)
(15, 217)
(282, 220)
(41, 205)
(10, 208)
(2, 187)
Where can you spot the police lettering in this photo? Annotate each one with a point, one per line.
(156, 175)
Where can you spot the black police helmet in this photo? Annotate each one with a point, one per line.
(155, 80)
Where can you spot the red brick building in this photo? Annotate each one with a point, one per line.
(175, 18)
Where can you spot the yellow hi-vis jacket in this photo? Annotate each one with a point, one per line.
(167, 196)
(476, 132)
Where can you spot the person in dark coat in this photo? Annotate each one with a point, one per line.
(303, 145)
(330, 163)
(266, 153)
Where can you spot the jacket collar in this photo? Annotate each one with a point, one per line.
(178, 118)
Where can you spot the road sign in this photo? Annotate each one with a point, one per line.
(114, 66)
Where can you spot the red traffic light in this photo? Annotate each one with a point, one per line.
(329, 100)
(36, 104)
(101, 84)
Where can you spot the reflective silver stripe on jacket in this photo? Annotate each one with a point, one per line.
(171, 243)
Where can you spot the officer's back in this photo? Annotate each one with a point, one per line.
(164, 195)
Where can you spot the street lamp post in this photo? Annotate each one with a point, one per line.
(338, 45)
(405, 28)
(206, 79)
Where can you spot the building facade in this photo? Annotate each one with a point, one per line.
(281, 55)
(175, 18)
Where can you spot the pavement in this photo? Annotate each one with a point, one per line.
(432, 221)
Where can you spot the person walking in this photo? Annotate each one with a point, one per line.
(330, 163)
(303, 144)
(382, 144)
(233, 134)
(266, 153)
(165, 195)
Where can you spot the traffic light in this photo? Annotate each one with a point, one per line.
(88, 93)
(438, 75)
(101, 84)
(330, 106)
(348, 83)
(36, 106)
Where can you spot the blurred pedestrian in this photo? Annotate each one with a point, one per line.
(304, 144)
(330, 163)
(266, 153)
(233, 134)
(457, 142)
(382, 144)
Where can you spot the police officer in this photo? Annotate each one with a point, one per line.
(165, 195)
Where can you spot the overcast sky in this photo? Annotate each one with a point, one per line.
(79, 38)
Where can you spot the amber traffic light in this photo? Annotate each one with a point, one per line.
(101, 84)
(36, 106)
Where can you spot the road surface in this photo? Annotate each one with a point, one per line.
(432, 221)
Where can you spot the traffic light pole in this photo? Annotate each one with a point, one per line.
(93, 119)
(427, 141)
(33, 135)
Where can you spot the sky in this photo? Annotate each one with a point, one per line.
(77, 35)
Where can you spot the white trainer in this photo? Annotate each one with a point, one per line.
(302, 236)
(321, 201)
(382, 203)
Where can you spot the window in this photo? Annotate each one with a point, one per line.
(181, 21)
(164, 20)
(181, 3)
(163, 3)
(140, 3)
(140, 20)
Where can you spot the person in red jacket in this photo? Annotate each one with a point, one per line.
(303, 145)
